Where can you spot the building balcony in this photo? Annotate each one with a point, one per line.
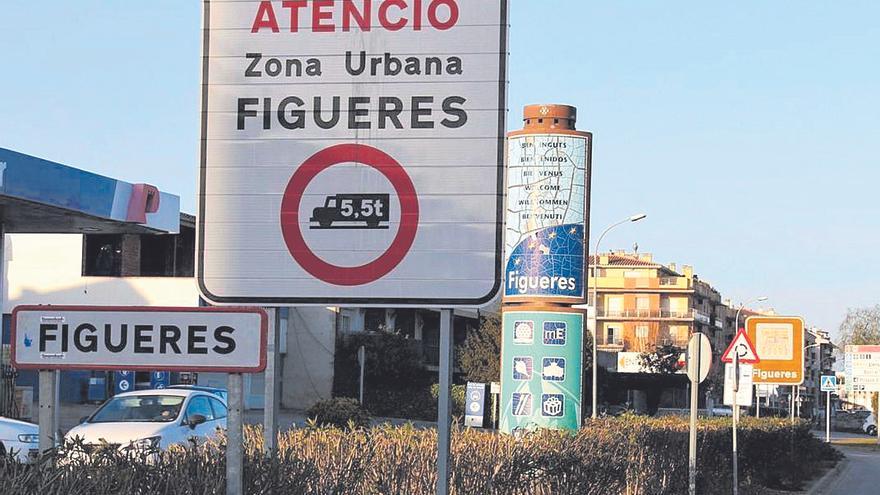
(644, 283)
(645, 314)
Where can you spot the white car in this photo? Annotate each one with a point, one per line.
(19, 438)
(153, 419)
(870, 425)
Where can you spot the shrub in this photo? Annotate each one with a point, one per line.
(479, 357)
(339, 412)
(458, 399)
(393, 363)
(630, 454)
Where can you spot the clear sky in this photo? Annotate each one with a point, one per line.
(748, 131)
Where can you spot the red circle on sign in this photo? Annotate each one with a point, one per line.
(406, 233)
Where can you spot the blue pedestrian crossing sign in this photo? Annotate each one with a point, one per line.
(829, 383)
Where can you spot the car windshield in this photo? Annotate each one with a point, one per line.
(140, 408)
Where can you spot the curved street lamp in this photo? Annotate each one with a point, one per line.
(633, 218)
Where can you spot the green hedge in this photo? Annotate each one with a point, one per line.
(623, 455)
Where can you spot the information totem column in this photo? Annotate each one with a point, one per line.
(545, 268)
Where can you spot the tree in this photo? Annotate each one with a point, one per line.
(479, 357)
(860, 327)
(664, 359)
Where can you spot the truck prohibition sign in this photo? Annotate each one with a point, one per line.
(352, 211)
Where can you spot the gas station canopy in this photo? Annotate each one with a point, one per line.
(40, 196)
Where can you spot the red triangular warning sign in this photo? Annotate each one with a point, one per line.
(743, 347)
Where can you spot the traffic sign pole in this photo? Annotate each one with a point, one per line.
(47, 410)
(272, 399)
(828, 417)
(735, 420)
(443, 426)
(757, 402)
(234, 438)
(692, 439)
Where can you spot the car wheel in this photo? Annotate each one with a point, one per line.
(872, 430)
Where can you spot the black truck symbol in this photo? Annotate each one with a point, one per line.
(352, 211)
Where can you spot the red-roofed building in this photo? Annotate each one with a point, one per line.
(643, 305)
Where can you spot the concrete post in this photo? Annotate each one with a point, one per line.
(272, 399)
(234, 437)
(46, 414)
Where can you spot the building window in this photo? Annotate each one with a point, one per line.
(155, 255)
(168, 255)
(613, 335)
(679, 334)
(642, 332)
(103, 255)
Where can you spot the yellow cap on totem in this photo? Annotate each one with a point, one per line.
(537, 117)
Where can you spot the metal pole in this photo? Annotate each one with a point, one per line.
(443, 409)
(735, 421)
(234, 437)
(595, 316)
(828, 417)
(692, 439)
(791, 403)
(46, 414)
(362, 360)
(595, 391)
(757, 402)
(272, 397)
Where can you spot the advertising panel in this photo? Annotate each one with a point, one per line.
(546, 211)
(352, 152)
(779, 344)
(155, 339)
(541, 369)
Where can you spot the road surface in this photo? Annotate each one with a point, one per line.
(861, 476)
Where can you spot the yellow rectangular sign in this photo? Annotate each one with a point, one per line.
(779, 342)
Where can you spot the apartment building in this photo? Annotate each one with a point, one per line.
(643, 304)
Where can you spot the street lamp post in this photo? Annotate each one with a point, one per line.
(595, 315)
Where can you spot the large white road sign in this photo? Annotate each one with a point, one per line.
(231, 340)
(352, 152)
(862, 367)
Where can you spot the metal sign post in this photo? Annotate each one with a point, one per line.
(234, 437)
(443, 410)
(699, 361)
(272, 399)
(757, 401)
(828, 384)
(828, 417)
(362, 361)
(735, 420)
(692, 439)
